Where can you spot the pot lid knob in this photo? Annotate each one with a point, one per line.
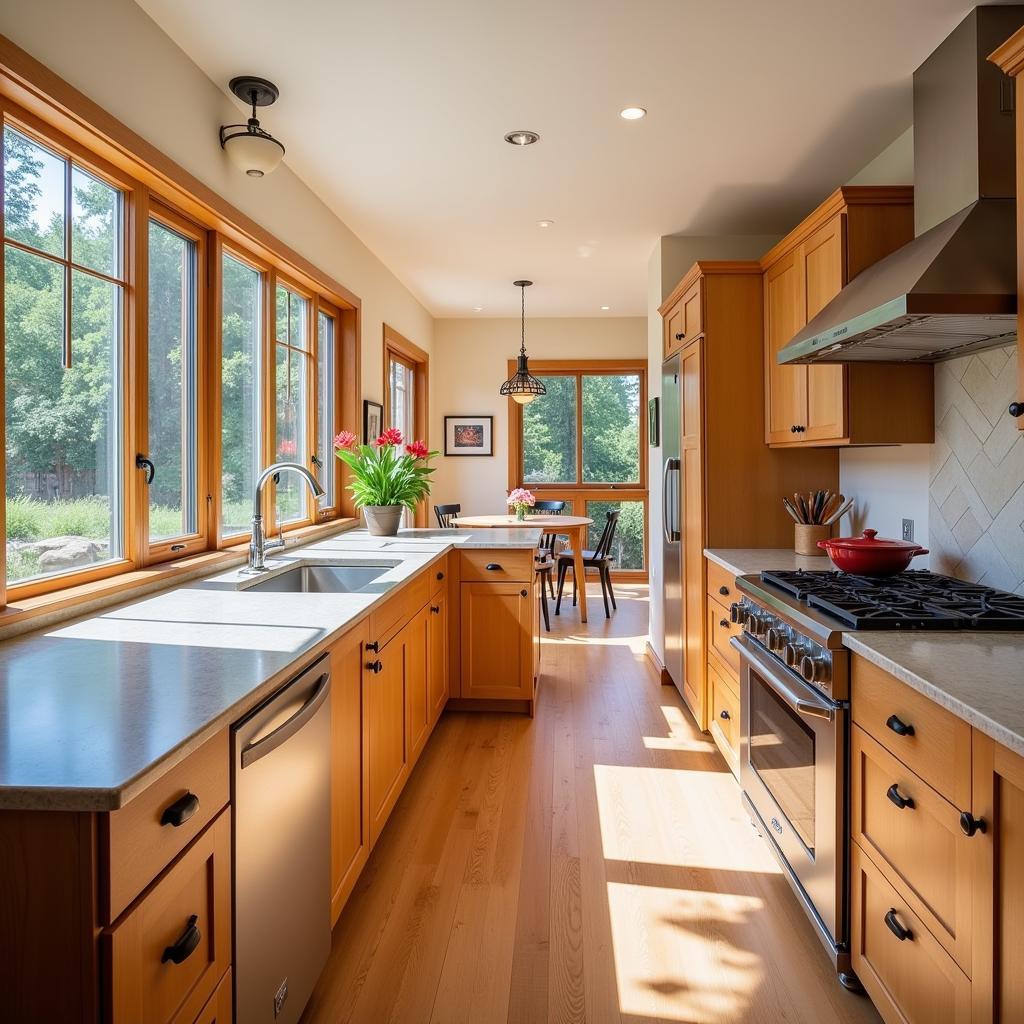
(870, 534)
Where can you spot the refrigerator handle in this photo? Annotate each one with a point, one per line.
(671, 534)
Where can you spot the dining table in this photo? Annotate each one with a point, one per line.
(573, 527)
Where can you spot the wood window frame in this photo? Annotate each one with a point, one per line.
(35, 99)
(400, 349)
(580, 492)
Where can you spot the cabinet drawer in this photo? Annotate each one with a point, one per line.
(396, 611)
(932, 742)
(913, 980)
(920, 846)
(138, 841)
(720, 629)
(188, 908)
(437, 576)
(508, 564)
(724, 721)
(721, 584)
(219, 1008)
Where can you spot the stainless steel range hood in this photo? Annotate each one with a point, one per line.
(953, 289)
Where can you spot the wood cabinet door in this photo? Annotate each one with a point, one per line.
(692, 520)
(998, 800)
(675, 329)
(350, 810)
(437, 655)
(497, 641)
(387, 737)
(824, 270)
(417, 675)
(786, 398)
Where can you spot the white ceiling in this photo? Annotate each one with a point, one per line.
(393, 112)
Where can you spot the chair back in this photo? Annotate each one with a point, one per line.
(604, 545)
(549, 507)
(445, 514)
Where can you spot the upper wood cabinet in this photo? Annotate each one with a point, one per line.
(683, 322)
(833, 404)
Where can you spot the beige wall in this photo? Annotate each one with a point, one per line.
(469, 364)
(118, 57)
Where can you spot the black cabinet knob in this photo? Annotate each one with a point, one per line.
(440, 575)
(724, 715)
(969, 824)
(899, 727)
(181, 950)
(1017, 409)
(680, 336)
(373, 645)
(435, 608)
(793, 429)
(180, 811)
(524, 593)
(493, 567)
(374, 666)
(898, 799)
(724, 623)
(724, 591)
(896, 928)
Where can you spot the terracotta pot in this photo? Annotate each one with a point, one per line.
(382, 520)
(871, 555)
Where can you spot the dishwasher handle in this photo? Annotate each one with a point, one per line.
(252, 752)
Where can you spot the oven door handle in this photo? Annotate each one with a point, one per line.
(787, 684)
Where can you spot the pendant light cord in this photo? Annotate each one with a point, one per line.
(522, 343)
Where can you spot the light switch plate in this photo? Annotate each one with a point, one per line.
(908, 529)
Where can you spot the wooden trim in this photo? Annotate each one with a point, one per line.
(1009, 56)
(837, 202)
(706, 268)
(400, 349)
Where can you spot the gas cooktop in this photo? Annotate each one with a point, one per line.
(915, 599)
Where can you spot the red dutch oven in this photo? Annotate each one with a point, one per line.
(871, 555)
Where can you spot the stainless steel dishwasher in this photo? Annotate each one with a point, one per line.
(282, 848)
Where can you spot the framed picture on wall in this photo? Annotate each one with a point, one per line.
(653, 423)
(469, 435)
(373, 421)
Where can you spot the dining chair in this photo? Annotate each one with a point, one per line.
(544, 568)
(548, 541)
(599, 558)
(445, 514)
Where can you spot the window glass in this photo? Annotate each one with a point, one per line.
(611, 428)
(290, 402)
(62, 380)
(242, 288)
(95, 224)
(325, 471)
(627, 550)
(173, 440)
(402, 385)
(549, 433)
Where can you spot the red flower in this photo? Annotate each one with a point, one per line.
(391, 436)
(346, 439)
(286, 448)
(418, 450)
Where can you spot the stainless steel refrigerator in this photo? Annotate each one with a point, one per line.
(671, 502)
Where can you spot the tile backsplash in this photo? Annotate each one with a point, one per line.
(976, 490)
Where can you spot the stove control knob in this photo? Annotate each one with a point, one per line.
(737, 613)
(773, 639)
(813, 669)
(758, 624)
(791, 654)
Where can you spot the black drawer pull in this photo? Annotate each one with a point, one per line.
(1017, 409)
(374, 666)
(724, 623)
(680, 336)
(185, 946)
(970, 824)
(724, 715)
(436, 609)
(440, 575)
(896, 928)
(899, 727)
(724, 591)
(493, 567)
(524, 593)
(373, 645)
(900, 801)
(180, 811)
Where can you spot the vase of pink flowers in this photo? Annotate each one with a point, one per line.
(385, 477)
(520, 499)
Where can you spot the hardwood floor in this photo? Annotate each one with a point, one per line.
(593, 865)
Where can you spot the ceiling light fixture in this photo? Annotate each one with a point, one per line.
(478, 309)
(248, 146)
(523, 387)
(522, 138)
(632, 113)
(545, 223)
(606, 308)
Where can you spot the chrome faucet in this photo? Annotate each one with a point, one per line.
(259, 545)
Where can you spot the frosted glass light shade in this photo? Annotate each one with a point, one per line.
(254, 153)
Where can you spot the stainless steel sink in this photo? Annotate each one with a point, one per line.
(321, 579)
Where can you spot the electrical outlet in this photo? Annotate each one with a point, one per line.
(908, 529)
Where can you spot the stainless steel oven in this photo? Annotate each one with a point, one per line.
(794, 734)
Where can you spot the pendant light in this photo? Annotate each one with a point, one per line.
(248, 146)
(523, 387)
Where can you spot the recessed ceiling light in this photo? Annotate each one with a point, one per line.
(522, 138)
(478, 309)
(633, 113)
(606, 308)
(545, 223)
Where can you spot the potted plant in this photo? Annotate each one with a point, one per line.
(386, 479)
(521, 499)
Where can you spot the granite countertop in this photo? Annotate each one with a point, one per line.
(94, 710)
(979, 676)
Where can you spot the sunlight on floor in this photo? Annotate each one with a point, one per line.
(676, 953)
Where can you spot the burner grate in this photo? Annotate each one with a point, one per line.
(916, 599)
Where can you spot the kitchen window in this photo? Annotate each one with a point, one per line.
(64, 315)
(583, 442)
(325, 462)
(406, 377)
(292, 369)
